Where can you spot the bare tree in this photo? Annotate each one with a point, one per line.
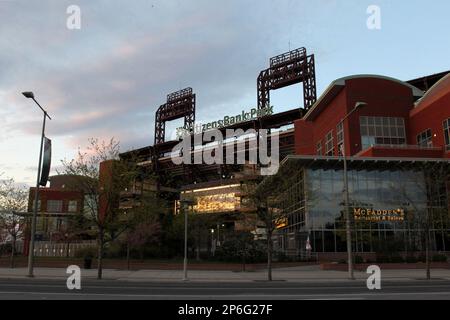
(13, 201)
(102, 189)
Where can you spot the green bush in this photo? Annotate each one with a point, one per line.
(389, 259)
(234, 251)
(397, 259)
(114, 251)
(282, 257)
(342, 261)
(86, 252)
(439, 258)
(411, 259)
(5, 249)
(358, 260)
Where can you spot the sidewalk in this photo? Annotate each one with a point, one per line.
(296, 274)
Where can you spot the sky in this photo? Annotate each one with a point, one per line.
(107, 78)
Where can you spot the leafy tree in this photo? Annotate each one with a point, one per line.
(74, 228)
(13, 202)
(432, 179)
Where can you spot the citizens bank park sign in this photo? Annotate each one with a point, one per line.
(225, 122)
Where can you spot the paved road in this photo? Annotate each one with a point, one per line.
(36, 289)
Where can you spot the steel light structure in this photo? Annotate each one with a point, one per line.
(286, 69)
(30, 95)
(185, 204)
(348, 230)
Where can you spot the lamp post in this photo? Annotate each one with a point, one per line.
(218, 233)
(184, 205)
(30, 95)
(348, 231)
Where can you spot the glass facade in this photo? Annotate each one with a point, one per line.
(382, 131)
(313, 203)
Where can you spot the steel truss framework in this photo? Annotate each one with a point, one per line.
(179, 104)
(287, 69)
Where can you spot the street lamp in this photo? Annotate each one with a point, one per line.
(184, 205)
(30, 95)
(218, 233)
(348, 231)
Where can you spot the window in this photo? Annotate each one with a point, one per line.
(329, 144)
(72, 207)
(54, 205)
(382, 131)
(425, 139)
(340, 137)
(319, 148)
(447, 134)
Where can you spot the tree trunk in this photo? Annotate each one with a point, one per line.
(269, 256)
(427, 253)
(197, 254)
(67, 249)
(244, 254)
(128, 256)
(13, 252)
(101, 241)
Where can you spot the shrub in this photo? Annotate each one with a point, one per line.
(439, 258)
(342, 261)
(383, 259)
(115, 250)
(282, 257)
(411, 259)
(422, 259)
(5, 249)
(86, 252)
(233, 251)
(358, 260)
(397, 259)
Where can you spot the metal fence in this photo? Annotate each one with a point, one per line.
(52, 249)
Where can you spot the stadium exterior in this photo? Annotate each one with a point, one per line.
(402, 130)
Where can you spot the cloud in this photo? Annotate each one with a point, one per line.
(109, 78)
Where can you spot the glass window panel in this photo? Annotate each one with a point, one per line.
(363, 121)
(393, 131)
(364, 131)
(379, 131)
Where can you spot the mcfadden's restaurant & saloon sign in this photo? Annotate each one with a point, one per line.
(372, 215)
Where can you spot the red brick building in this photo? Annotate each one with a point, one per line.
(398, 120)
(55, 205)
(396, 129)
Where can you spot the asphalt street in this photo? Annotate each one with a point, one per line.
(39, 289)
